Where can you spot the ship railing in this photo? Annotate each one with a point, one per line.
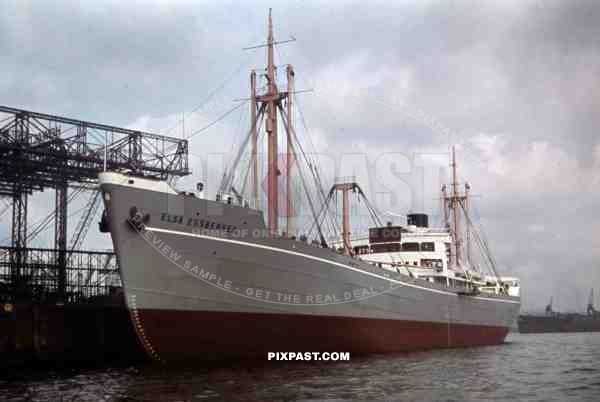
(232, 199)
(411, 234)
(345, 179)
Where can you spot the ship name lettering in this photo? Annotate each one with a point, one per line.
(171, 218)
(194, 222)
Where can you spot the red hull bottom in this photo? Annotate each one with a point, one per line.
(182, 335)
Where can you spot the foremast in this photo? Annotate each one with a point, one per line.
(453, 204)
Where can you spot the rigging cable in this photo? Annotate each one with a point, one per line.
(258, 141)
(228, 176)
(81, 230)
(217, 120)
(207, 97)
(295, 138)
(235, 140)
(313, 166)
(484, 247)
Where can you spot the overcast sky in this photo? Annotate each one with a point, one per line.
(516, 82)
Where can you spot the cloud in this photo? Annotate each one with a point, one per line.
(516, 81)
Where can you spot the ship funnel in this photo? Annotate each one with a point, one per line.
(419, 220)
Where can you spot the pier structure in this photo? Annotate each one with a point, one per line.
(61, 302)
(40, 151)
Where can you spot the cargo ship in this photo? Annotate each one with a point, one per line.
(226, 278)
(554, 321)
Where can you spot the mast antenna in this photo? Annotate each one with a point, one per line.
(292, 38)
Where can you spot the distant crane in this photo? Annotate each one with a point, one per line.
(590, 307)
(40, 151)
(549, 310)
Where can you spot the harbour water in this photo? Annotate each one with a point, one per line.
(535, 367)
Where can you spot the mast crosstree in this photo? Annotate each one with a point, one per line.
(275, 106)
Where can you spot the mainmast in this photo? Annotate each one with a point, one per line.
(271, 128)
(269, 103)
